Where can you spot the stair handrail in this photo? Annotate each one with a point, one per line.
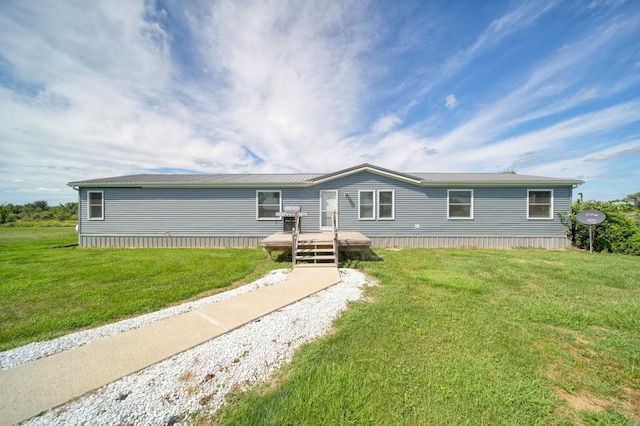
(334, 222)
(295, 233)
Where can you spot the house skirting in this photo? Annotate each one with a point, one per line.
(170, 241)
(242, 241)
(475, 241)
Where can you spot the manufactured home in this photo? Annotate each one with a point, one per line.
(367, 204)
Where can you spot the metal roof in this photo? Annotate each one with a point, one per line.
(198, 179)
(310, 179)
(490, 178)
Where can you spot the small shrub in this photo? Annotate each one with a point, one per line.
(612, 235)
(631, 245)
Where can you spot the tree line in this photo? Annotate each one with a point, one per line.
(38, 212)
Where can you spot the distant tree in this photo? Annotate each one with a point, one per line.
(634, 199)
(510, 172)
(66, 211)
(35, 207)
(5, 211)
(41, 205)
(37, 211)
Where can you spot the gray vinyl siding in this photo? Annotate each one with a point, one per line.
(196, 211)
(232, 212)
(497, 211)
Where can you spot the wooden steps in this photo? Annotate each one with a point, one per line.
(316, 252)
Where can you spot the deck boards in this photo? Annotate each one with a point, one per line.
(346, 239)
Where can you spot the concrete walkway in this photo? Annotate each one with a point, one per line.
(29, 389)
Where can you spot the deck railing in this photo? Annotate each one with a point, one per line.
(334, 222)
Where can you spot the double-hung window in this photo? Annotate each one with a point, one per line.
(374, 205)
(386, 209)
(95, 205)
(367, 202)
(268, 203)
(540, 204)
(460, 202)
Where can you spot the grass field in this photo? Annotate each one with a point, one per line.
(451, 336)
(46, 292)
(470, 336)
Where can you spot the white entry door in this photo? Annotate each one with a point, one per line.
(328, 204)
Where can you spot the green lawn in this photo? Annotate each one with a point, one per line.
(47, 292)
(470, 336)
(451, 336)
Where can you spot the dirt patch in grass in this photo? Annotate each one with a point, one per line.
(583, 402)
(586, 368)
(631, 407)
(628, 404)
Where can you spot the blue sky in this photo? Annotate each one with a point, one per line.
(106, 88)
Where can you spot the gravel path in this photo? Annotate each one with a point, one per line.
(197, 379)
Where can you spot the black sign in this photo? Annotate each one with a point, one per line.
(591, 217)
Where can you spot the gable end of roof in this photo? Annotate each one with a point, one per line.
(366, 167)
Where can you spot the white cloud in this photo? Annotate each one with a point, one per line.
(450, 101)
(623, 150)
(118, 87)
(598, 168)
(589, 94)
(516, 20)
(565, 135)
(530, 100)
(108, 95)
(386, 123)
(294, 85)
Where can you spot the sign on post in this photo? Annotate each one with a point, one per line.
(591, 217)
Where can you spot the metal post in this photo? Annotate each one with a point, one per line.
(590, 240)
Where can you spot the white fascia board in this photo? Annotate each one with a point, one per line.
(371, 170)
(527, 184)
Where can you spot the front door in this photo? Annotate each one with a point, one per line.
(328, 204)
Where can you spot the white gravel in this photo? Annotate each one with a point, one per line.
(14, 357)
(198, 379)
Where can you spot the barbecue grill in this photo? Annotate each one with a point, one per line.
(288, 216)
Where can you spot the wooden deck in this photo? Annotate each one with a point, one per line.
(347, 240)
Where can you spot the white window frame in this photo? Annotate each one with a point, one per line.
(393, 204)
(89, 205)
(551, 206)
(258, 203)
(373, 201)
(470, 217)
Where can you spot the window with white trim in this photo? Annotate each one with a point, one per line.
(460, 203)
(367, 203)
(268, 203)
(540, 204)
(95, 205)
(386, 205)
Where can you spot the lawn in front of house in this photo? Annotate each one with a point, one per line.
(45, 292)
(469, 336)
